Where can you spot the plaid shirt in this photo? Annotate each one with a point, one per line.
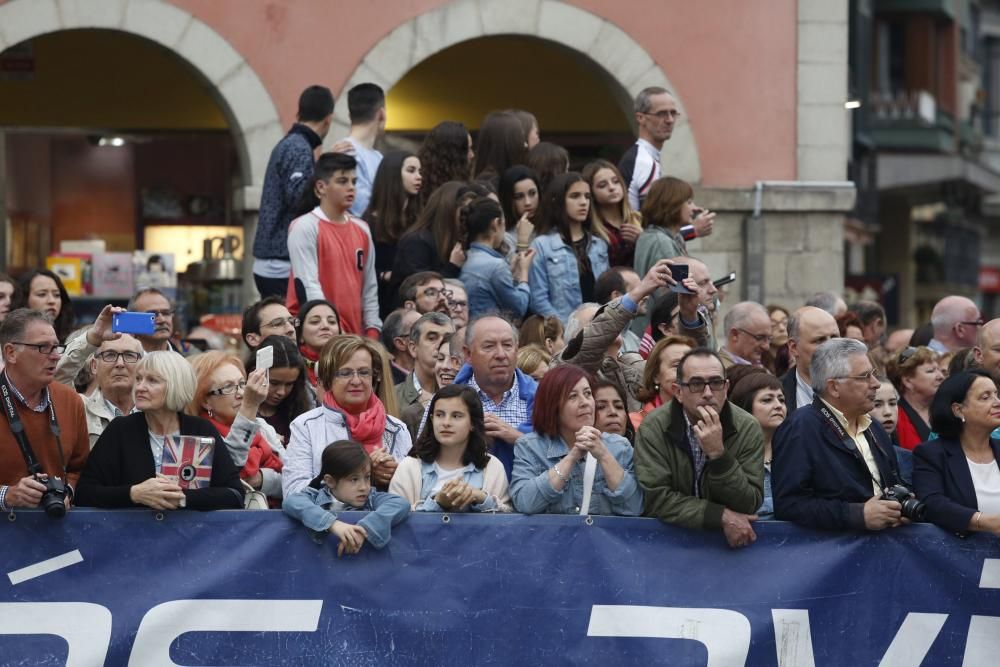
(511, 408)
(697, 455)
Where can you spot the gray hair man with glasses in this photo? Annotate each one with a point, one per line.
(49, 415)
(831, 460)
(748, 335)
(112, 358)
(152, 300)
(956, 321)
(700, 459)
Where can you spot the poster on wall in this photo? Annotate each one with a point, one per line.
(155, 270)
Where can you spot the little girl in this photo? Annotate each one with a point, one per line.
(344, 484)
(449, 469)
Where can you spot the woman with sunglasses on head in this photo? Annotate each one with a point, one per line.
(917, 376)
(359, 403)
(449, 468)
(318, 323)
(229, 398)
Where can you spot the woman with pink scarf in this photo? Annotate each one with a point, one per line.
(359, 404)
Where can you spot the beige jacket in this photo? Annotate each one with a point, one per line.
(409, 479)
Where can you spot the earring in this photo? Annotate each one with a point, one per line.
(656, 386)
(963, 419)
(210, 413)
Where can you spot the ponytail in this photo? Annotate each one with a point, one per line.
(476, 217)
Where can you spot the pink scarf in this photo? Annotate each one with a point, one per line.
(367, 426)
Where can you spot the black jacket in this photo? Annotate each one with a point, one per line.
(941, 479)
(790, 388)
(819, 481)
(122, 458)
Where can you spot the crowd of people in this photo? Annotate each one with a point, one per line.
(474, 327)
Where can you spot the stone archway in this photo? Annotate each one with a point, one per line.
(624, 60)
(252, 115)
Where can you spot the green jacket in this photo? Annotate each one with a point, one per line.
(665, 469)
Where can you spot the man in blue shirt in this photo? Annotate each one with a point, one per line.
(366, 106)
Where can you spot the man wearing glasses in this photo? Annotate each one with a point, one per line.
(43, 409)
(425, 292)
(831, 460)
(655, 115)
(700, 459)
(112, 358)
(267, 317)
(748, 335)
(956, 321)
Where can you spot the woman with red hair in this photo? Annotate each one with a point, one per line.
(548, 475)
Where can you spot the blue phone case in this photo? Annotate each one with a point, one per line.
(133, 323)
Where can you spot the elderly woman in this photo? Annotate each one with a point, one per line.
(917, 376)
(660, 373)
(228, 398)
(760, 394)
(549, 463)
(125, 465)
(359, 404)
(958, 475)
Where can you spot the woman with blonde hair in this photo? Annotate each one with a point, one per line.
(612, 211)
(916, 374)
(358, 404)
(533, 360)
(545, 332)
(229, 399)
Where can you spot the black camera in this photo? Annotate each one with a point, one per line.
(54, 498)
(913, 509)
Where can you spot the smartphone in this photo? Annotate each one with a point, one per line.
(725, 280)
(679, 272)
(133, 323)
(265, 358)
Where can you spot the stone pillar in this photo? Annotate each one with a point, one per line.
(793, 250)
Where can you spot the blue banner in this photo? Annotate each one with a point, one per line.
(240, 588)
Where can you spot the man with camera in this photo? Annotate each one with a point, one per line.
(834, 467)
(43, 431)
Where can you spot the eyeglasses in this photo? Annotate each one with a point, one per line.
(166, 314)
(867, 377)
(275, 323)
(229, 389)
(760, 338)
(363, 374)
(975, 323)
(458, 305)
(434, 292)
(111, 357)
(697, 385)
(43, 348)
(663, 115)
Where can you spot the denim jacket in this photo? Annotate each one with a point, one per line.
(555, 278)
(490, 284)
(412, 471)
(312, 507)
(533, 493)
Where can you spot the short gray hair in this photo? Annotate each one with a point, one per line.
(740, 313)
(177, 374)
(642, 103)
(832, 360)
(455, 282)
(17, 322)
(144, 291)
(573, 323)
(434, 317)
(824, 301)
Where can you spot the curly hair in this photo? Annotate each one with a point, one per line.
(444, 156)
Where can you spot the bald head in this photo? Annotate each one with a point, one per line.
(987, 351)
(698, 270)
(954, 321)
(898, 340)
(748, 331)
(808, 328)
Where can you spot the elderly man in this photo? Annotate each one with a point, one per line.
(808, 328)
(987, 350)
(829, 301)
(425, 337)
(395, 337)
(38, 408)
(699, 459)
(748, 335)
(151, 300)
(956, 321)
(458, 301)
(507, 394)
(831, 460)
(112, 358)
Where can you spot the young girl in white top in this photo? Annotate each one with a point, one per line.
(449, 470)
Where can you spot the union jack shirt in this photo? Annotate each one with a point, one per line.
(188, 460)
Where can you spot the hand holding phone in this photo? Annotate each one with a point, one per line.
(134, 323)
(265, 360)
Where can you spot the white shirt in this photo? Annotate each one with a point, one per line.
(448, 475)
(803, 392)
(861, 442)
(986, 481)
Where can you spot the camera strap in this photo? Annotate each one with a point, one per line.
(17, 427)
(848, 441)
